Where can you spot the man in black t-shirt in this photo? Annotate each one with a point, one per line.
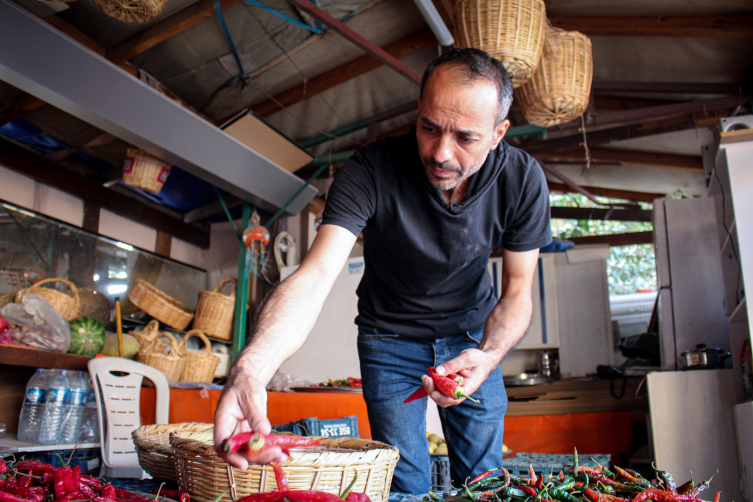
(431, 206)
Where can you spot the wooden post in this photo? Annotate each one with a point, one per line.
(164, 244)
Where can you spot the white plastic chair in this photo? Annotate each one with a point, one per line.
(118, 407)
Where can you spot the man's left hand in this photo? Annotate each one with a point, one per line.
(472, 364)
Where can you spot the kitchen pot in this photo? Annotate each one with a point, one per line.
(704, 358)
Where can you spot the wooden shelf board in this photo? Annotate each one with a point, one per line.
(22, 356)
(10, 441)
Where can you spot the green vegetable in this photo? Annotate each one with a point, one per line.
(130, 346)
(87, 337)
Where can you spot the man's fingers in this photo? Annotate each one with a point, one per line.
(436, 396)
(273, 454)
(463, 361)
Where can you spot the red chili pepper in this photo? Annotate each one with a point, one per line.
(48, 478)
(532, 474)
(9, 497)
(87, 480)
(590, 470)
(481, 476)
(2, 482)
(127, 496)
(530, 490)
(235, 443)
(592, 495)
(33, 465)
(290, 495)
(660, 496)
(108, 492)
(24, 480)
(282, 480)
(562, 476)
(59, 483)
(36, 493)
(417, 394)
(628, 476)
(258, 443)
(448, 386)
(718, 497)
(686, 486)
(3, 467)
(88, 491)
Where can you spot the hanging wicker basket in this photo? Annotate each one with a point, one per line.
(159, 305)
(145, 171)
(328, 468)
(153, 448)
(170, 364)
(132, 11)
(215, 311)
(510, 30)
(198, 366)
(68, 306)
(559, 90)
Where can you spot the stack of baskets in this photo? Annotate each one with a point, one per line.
(154, 451)
(178, 363)
(69, 306)
(551, 69)
(159, 305)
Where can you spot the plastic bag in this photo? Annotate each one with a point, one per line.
(282, 382)
(38, 324)
(4, 331)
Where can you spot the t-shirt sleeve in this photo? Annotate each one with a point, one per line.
(531, 227)
(352, 197)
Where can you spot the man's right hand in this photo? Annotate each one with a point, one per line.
(243, 408)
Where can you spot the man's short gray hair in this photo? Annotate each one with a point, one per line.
(474, 64)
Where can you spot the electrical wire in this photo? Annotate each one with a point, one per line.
(729, 235)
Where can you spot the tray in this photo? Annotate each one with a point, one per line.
(528, 378)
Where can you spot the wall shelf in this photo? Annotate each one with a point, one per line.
(10, 441)
(22, 356)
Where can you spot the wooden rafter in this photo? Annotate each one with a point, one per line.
(343, 73)
(638, 158)
(608, 192)
(732, 25)
(626, 239)
(598, 213)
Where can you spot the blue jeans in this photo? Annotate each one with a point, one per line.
(391, 369)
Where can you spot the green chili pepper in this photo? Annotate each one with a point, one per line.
(575, 460)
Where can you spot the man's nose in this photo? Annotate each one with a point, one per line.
(443, 149)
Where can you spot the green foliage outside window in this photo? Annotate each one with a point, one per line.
(629, 268)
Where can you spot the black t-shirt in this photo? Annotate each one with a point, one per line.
(426, 262)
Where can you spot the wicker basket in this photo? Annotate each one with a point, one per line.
(328, 468)
(132, 11)
(198, 367)
(159, 305)
(559, 90)
(68, 306)
(170, 364)
(154, 451)
(149, 338)
(215, 311)
(510, 30)
(145, 171)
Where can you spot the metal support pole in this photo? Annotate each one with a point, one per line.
(241, 292)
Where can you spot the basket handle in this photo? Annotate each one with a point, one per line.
(150, 333)
(200, 334)
(174, 346)
(225, 281)
(47, 281)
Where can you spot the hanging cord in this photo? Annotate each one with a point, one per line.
(585, 142)
(241, 72)
(290, 59)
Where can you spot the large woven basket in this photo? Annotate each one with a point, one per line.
(559, 90)
(159, 305)
(510, 30)
(149, 338)
(328, 468)
(170, 364)
(132, 11)
(215, 311)
(143, 170)
(154, 451)
(68, 306)
(198, 367)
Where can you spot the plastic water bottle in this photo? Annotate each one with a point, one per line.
(55, 408)
(76, 405)
(31, 412)
(90, 427)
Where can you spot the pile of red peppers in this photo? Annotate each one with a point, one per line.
(575, 484)
(33, 481)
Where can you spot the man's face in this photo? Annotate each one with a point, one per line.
(456, 127)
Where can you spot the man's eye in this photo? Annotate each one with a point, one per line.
(429, 129)
(466, 140)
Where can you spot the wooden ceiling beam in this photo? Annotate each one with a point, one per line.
(164, 29)
(614, 240)
(604, 86)
(731, 25)
(45, 171)
(600, 213)
(634, 157)
(320, 15)
(343, 73)
(608, 192)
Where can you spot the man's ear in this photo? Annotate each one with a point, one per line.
(499, 133)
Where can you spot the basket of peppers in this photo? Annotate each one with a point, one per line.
(34, 481)
(326, 465)
(575, 484)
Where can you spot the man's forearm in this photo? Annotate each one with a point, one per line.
(506, 325)
(282, 326)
